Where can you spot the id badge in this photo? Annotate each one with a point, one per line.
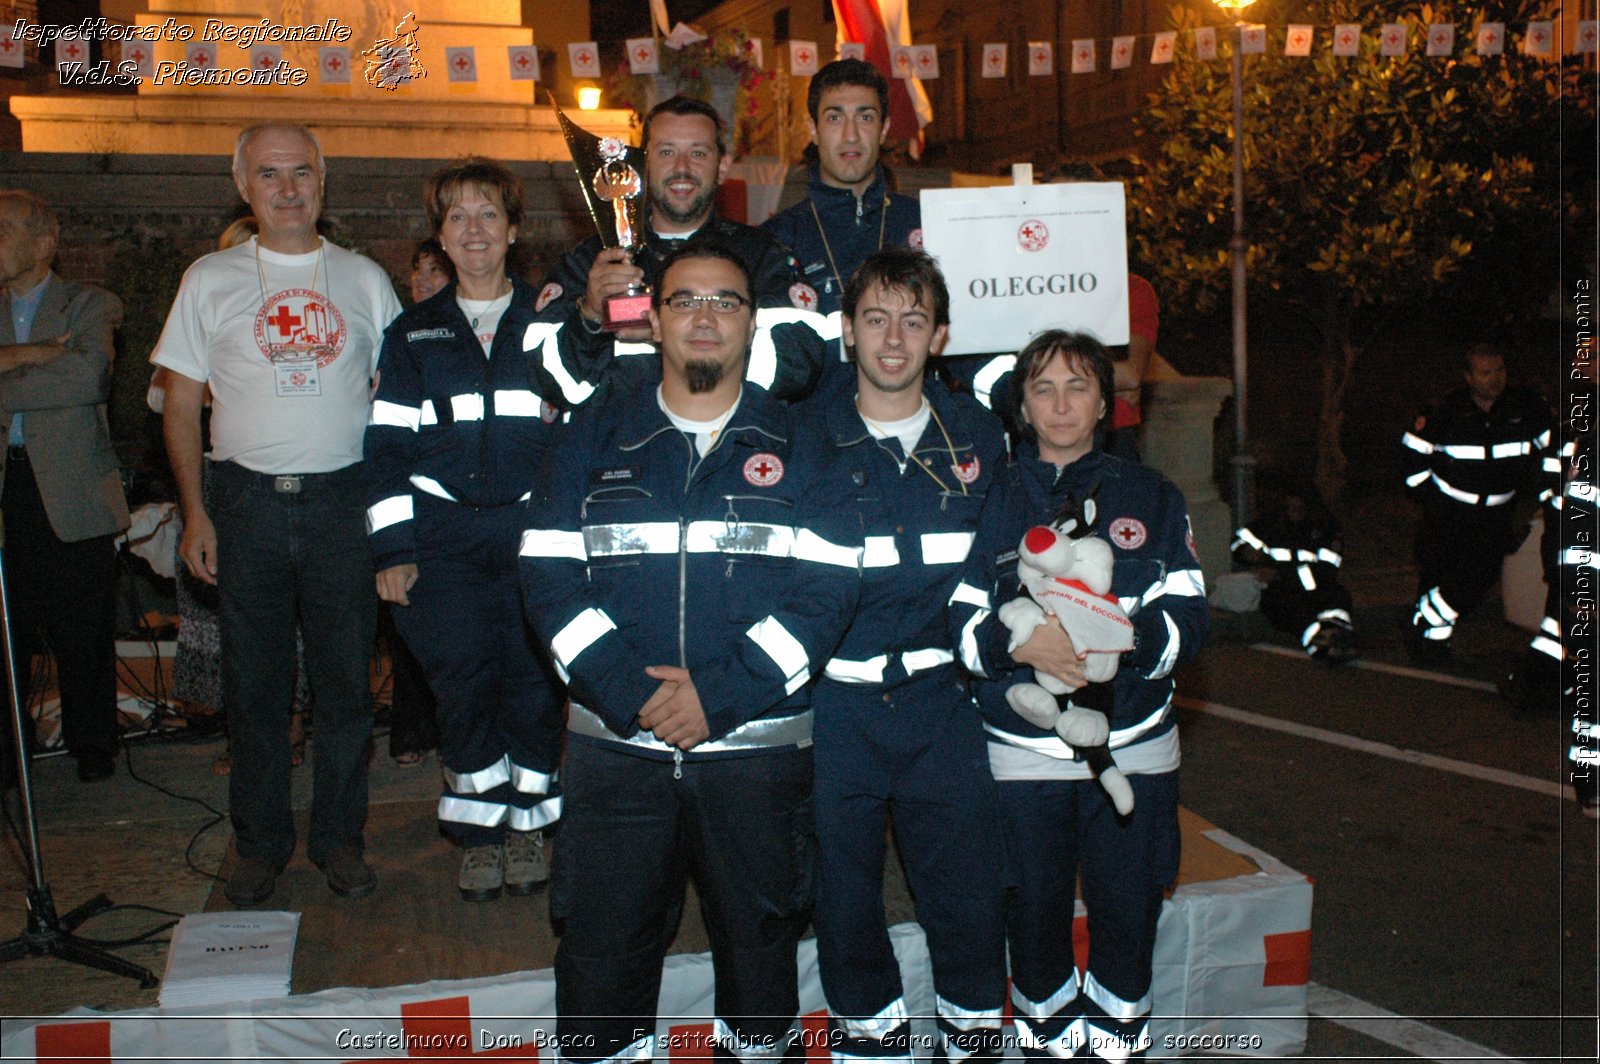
(297, 378)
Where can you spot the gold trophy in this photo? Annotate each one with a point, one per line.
(611, 176)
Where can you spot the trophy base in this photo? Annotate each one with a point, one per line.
(625, 311)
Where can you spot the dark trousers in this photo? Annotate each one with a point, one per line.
(500, 714)
(634, 830)
(1056, 829)
(62, 595)
(919, 754)
(282, 555)
(1460, 551)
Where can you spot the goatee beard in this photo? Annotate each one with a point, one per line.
(702, 375)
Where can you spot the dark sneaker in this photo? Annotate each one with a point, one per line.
(251, 882)
(348, 873)
(483, 872)
(527, 867)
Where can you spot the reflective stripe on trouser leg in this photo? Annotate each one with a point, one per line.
(1547, 640)
(1118, 1029)
(1051, 1026)
(968, 1034)
(1434, 617)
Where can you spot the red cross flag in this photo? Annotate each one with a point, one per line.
(585, 59)
(523, 62)
(1083, 56)
(1491, 38)
(333, 61)
(1253, 39)
(1441, 38)
(462, 63)
(265, 56)
(1121, 52)
(10, 49)
(1588, 36)
(880, 25)
(994, 60)
(71, 50)
(900, 60)
(853, 50)
(201, 56)
(142, 56)
(803, 57)
(1392, 40)
(1347, 38)
(755, 53)
(925, 61)
(642, 57)
(1539, 38)
(1297, 42)
(1041, 59)
(1162, 48)
(1205, 42)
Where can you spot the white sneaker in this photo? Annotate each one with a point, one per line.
(527, 868)
(483, 872)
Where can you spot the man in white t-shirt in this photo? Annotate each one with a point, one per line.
(284, 330)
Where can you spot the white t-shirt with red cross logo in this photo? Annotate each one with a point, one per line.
(288, 344)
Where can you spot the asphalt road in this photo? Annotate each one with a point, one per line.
(1454, 888)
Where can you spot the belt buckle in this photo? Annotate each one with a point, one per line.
(286, 485)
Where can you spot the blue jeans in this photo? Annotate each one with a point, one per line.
(283, 555)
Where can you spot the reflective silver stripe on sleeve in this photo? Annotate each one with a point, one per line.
(396, 415)
(1416, 443)
(429, 486)
(552, 543)
(970, 595)
(983, 384)
(879, 552)
(969, 643)
(648, 537)
(1510, 450)
(843, 670)
(1332, 557)
(1246, 538)
(579, 635)
(1465, 451)
(467, 407)
(427, 415)
(753, 735)
(927, 658)
(480, 781)
(945, 548)
(1471, 498)
(784, 649)
(1169, 654)
(390, 511)
(1416, 478)
(517, 402)
(543, 336)
(633, 347)
(762, 367)
(810, 547)
(1307, 581)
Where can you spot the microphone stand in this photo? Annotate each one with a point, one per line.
(48, 934)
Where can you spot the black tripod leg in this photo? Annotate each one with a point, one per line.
(93, 907)
(70, 948)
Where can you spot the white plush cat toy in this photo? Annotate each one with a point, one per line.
(1066, 570)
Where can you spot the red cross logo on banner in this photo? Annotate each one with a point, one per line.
(522, 60)
(1394, 37)
(1122, 51)
(1490, 37)
(1297, 39)
(199, 57)
(585, 58)
(1345, 38)
(1537, 36)
(1083, 55)
(643, 54)
(1033, 235)
(1440, 38)
(924, 60)
(804, 56)
(7, 44)
(1589, 35)
(461, 62)
(994, 59)
(1040, 56)
(136, 55)
(72, 50)
(265, 62)
(333, 62)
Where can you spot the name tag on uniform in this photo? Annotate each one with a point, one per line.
(297, 378)
(618, 475)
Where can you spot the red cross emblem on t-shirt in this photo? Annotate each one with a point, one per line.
(284, 321)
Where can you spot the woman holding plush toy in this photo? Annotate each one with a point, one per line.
(1058, 819)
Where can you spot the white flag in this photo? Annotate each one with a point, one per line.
(925, 61)
(853, 50)
(265, 56)
(1162, 48)
(461, 63)
(994, 60)
(1297, 42)
(1205, 43)
(585, 59)
(1041, 58)
(1083, 55)
(1491, 38)
(1347, 38)
(803, 57)
(201, 56)
(1393, 41)
(900, 60)
(10, 49)
(71, 50)
(1539, 38)
(333, 64)
(1253, 39)
(1121, 52)
(141, 55)
(642, 57)
(1441, 38)
(1588, 36)
(755, 53)
(523, 61)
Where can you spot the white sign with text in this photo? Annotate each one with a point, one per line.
(1022, 259)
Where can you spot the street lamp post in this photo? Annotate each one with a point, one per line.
(1243, 462)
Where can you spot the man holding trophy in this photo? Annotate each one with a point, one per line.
(591, 310)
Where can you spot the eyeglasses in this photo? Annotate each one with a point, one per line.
(726, 303)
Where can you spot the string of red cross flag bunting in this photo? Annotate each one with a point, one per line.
(920, 61)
